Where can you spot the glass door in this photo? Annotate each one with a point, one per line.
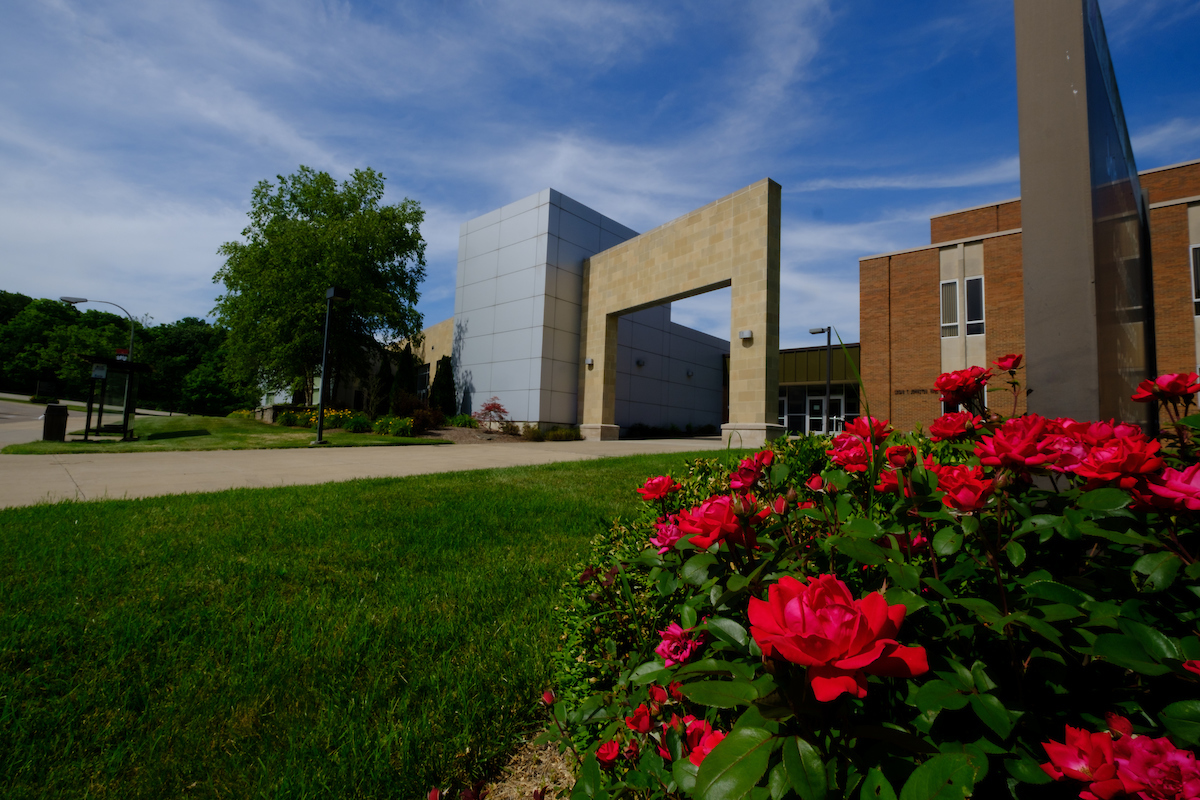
(816, 414)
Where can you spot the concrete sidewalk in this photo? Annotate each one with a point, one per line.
(27, 480)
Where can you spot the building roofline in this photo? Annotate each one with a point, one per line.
(940, 245)
(975, 208)
(1169, 166)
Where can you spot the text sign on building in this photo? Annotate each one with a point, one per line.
(99, 371)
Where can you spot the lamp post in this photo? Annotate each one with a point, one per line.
(828, 369)
(129, 356)
(333, 293)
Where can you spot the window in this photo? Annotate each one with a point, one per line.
(1196, 280)
(974, 288)
(949, 309)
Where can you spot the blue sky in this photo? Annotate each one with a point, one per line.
(132, 132)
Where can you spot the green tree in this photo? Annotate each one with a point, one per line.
(441, 393)
(307, 233)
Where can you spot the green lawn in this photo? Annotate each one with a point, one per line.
(354, 640)
(205, 433)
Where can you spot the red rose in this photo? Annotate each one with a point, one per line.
(1123, 462)
(815, 483)
(841, 640)
(1018, 444)
(961, 385)
(1009, 363)
(658, 488)
(705, 744)
(954, 425)
(750, 471)
(868, 429)
(715, 520)
(658, 694)
(1180, 488)
(899, 456)
(1174, 386)
(640, 721)
(849, 453)
(668, 533)
(889, 483)
(966, 488)
(1086, 757)
(607, 753)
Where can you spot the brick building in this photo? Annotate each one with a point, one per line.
(959, 301)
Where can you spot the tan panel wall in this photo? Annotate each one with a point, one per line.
(733, 242)
(439, 341)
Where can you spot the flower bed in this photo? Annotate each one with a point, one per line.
(1000, 608)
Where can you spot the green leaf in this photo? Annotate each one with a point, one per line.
(904, 575)
(861, 528)
(1160, 570)
(684, 773)
(805, 769)
(1056, 592)
(1107, 499)
(1126, 651)
(969, 524)
(1026, 770)
(944, 777)
(986, 612)
(992, 713)
(720, 694)
(647, 673)
(695, 569)
(778, 783)
(667, 583)
(1156, 644)
(736, 582)
(714, 665)
(1015, 552)
(947, 542)
(687, 616)
(728, 631)
(876, 787)
(588, 782)
(1183, 720)
(938, 695)
(734, 766)
(862, 551)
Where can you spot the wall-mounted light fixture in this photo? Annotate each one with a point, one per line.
(588, 361)
(690, 373)
(641, 362)
(745, 334)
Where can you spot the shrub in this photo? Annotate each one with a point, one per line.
(510, 428)
(383, 425)
(426, 419)
(462, 421)
(884, 614)
(492, 415)
(42, 399)
(532, 433)
(359, 423)
(288, 419)
(401, 426)
(564, 435)
(242, 413)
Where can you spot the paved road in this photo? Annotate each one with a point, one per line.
(27, 480)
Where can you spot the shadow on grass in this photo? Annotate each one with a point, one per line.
(177, 434)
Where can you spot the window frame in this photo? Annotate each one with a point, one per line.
(954, 325)
(978, 324)
(1195, 251)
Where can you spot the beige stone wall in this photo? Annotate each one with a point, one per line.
(733, 242)
(439, 341)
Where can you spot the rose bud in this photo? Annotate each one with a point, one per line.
(791, 496)
(548, 697)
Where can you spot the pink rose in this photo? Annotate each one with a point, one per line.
(849, 453)
(1181, 488)
(841, 640)
(658, 488)
(1157, 770)
(677, 644)
(668, 533)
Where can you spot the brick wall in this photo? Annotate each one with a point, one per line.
(960, 225)
(1008, 215)
(915, 336)
(875, 328)
(1172, 184)
(1004, 293)
(1173, 325)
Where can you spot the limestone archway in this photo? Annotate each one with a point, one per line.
(731, 242)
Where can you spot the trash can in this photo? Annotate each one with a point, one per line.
(55, 427)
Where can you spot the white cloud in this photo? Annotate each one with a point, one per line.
(1005, 170)
(1173, 140)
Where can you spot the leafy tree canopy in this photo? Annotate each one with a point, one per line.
(307, 233)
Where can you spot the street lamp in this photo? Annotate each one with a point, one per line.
(333, 293)
(129, 357)
(828, 368)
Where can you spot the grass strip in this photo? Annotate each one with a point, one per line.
(156, 434)
(353, 640)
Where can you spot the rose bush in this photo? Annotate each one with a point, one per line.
(889, 615)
